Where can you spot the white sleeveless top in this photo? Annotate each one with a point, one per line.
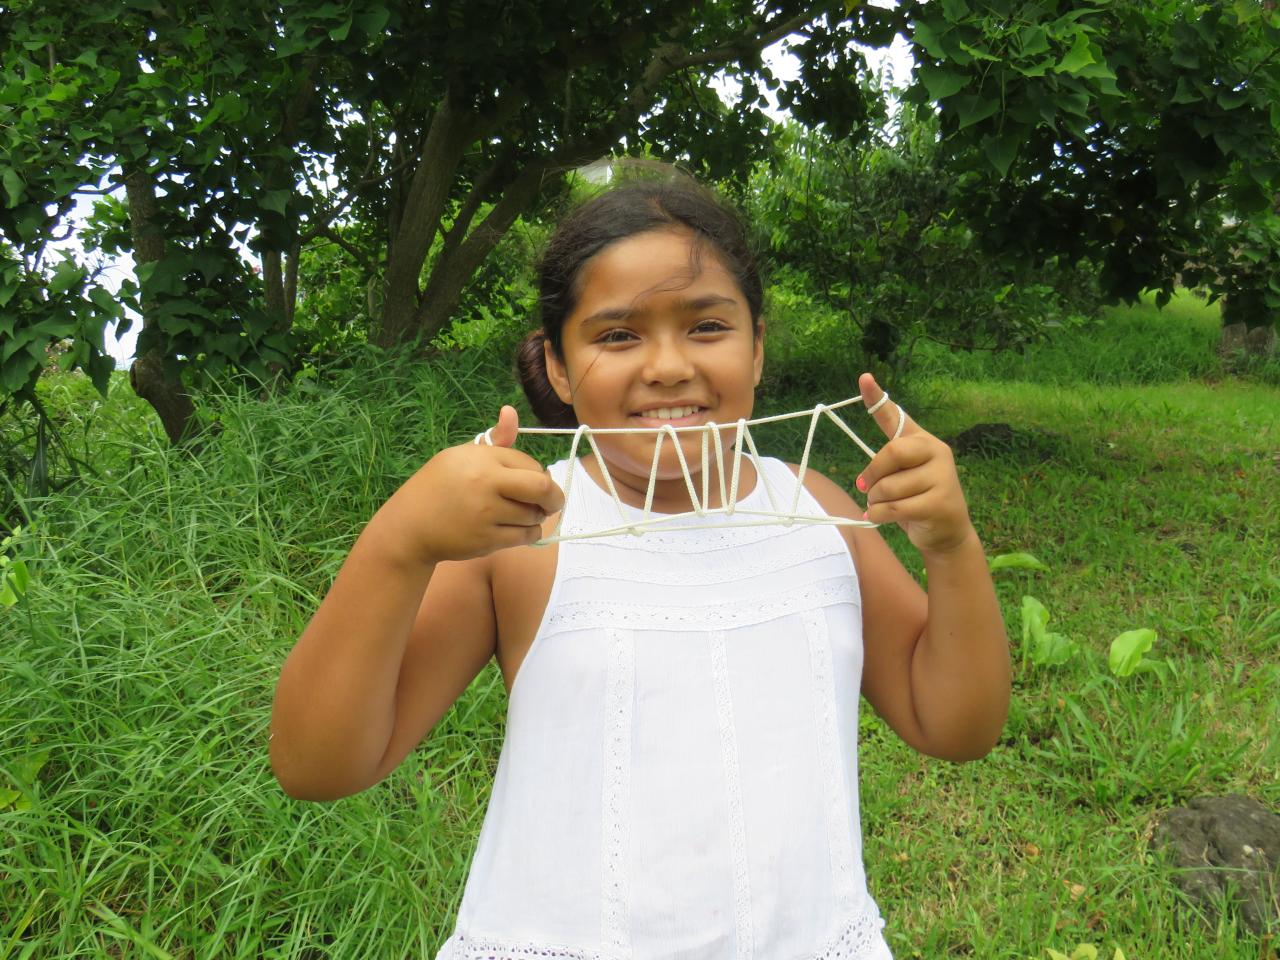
(679, 779)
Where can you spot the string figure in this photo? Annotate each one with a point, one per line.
(726, 515)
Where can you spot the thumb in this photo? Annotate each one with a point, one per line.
(887, 416)
(504, 434)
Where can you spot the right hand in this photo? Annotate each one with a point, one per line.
(473, 499)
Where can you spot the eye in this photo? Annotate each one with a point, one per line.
(615, 336)
(710, 326)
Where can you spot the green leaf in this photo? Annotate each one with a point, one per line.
(64, 278)
(1037, 69)
(978, 53)
(1001, 151)
(925, 36)
(276, 200)
(1127, 650)
(972, 108)
(1079, 56)
(14, 186)
(939, 81)
(339, 33)
(19, 577)
(1231, 99)
(1015, 561)
(1183, 92)
(1035, 618)
(1034, 41)
(1045, 649)
(373, 22)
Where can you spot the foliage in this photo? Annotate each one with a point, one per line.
(1084, 951)
(1014, 561)
(873, 230)
(1245, 258)
(1126, 657)
(430, 126)
(14, 576)
(168, 594)
(1112, 129)
(1041, 647)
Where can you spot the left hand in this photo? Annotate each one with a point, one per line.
(912, 481)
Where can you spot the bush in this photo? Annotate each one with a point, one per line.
(875, 230)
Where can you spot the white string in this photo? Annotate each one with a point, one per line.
(701, 507)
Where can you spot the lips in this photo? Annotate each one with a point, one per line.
(681, 415)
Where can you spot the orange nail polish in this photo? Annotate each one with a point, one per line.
(861, 484)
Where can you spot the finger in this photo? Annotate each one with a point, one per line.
(508, 427)
(896, 455)
(901, 486)
(535, 489)
(888, 415)
(516, 460)
(517, 535)
(900, 511)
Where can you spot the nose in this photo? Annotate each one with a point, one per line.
(666, 361)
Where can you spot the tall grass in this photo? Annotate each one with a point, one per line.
(136, 676)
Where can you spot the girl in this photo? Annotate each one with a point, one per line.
(679, 776)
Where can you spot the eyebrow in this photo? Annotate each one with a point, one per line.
(683, 305)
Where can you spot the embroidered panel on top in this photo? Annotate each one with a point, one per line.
(602, 615)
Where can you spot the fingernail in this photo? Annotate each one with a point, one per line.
(866, 515)
(862, 484)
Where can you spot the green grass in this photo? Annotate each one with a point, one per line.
(167, 591)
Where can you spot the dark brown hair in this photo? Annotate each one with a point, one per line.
(633, 208)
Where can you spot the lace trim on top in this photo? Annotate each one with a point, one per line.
(600, 615)
(837, 804)
(857, 939)
(744, 938)
(639, 566)
(616, 836)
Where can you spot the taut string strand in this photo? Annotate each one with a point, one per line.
(728, 499)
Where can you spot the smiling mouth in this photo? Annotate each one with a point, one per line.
(675, 416)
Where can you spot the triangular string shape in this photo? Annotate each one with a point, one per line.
(729, 513)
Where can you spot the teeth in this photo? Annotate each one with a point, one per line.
(669, 413)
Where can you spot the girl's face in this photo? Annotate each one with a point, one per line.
(661, 334)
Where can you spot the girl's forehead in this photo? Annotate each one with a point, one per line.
(652, 263)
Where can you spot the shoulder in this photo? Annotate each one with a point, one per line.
(836, 502)
(829, 494)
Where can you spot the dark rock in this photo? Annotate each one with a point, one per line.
(984, 438)
(1003, 441)
(1226, 848)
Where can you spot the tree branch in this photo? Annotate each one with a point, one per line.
(334, 237)
(737, 49)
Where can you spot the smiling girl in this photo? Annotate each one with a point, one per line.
(679, 775)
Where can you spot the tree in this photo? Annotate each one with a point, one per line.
(1129, 132)
(269, 123)
(873, 231)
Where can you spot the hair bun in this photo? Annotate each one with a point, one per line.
(531, 369)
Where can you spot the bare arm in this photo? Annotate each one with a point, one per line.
(936, 665)
(390, 648)
(408, 622)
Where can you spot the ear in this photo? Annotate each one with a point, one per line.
(556, 374)
(757, 353)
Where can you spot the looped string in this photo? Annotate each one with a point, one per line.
(701, 506)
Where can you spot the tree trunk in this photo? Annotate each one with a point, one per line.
(148, 375)
(419, 222)
(458, 264)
